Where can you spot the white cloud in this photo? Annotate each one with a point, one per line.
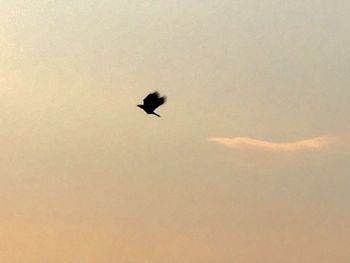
(312, 144)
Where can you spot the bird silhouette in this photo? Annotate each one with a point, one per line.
(151, 102)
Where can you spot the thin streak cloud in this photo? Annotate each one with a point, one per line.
(312, 144)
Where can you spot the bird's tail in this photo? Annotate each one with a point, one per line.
(155, 114)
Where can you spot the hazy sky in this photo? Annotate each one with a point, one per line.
(249, 162)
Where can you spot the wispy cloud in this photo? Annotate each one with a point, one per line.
(312, 144)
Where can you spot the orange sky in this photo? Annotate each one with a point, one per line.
(248, 163)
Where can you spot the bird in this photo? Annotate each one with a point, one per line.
(152, 102)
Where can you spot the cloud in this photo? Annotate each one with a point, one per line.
(312, 144)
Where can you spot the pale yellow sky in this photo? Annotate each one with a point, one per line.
(249, 162)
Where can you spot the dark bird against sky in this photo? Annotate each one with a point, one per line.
(152, 102)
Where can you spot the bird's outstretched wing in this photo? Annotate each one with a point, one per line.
(153, 101)
(151, 98)
(161, 100)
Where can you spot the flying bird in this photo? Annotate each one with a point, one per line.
(151, 102)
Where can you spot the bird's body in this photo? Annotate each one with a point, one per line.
(152, 102)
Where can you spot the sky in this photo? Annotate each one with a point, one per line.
(249, 162)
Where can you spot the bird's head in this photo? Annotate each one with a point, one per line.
(141, 106)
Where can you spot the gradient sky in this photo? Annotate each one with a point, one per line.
(248, 164)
